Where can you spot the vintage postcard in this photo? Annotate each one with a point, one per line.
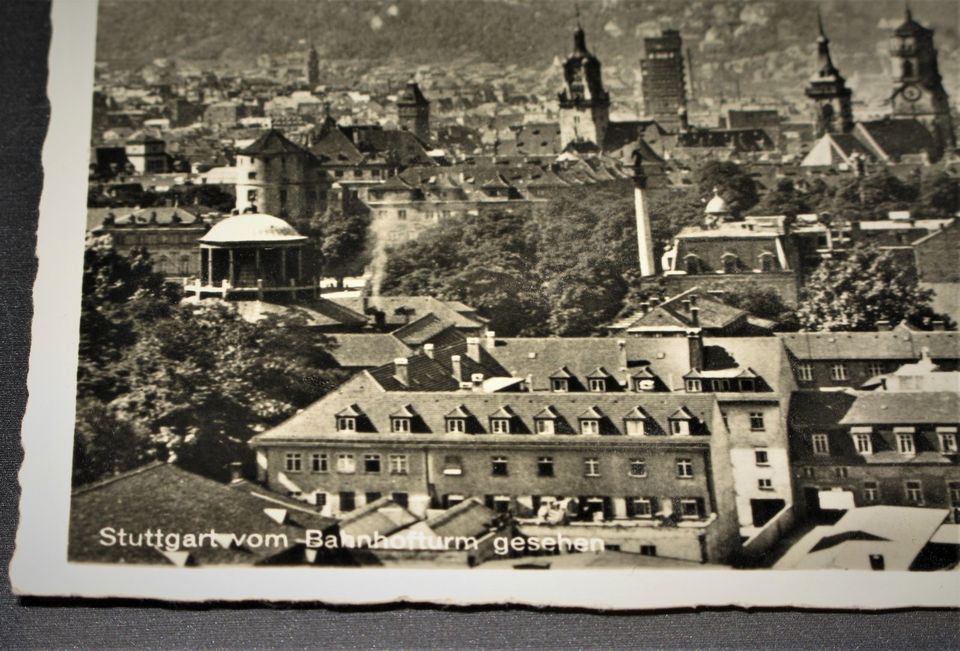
(643, 304)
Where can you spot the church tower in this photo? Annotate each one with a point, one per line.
(413, 111)
(828, 90)
(584, 104)
(918, 88)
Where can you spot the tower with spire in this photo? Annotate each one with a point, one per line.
(828, 90)
(413, 111)
(918, 87)
(584, 103)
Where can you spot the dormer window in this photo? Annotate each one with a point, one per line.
(862, 438)
(598, 385)
(905, 441)
(948, 439)
(399, 424)
(546, 421)
(680, 422)
(559, 385)
(590, 421)
(643, 384)
(748, 385)
(693, 385)
(501, 421)
(455, 422)
(634, 423)
(346, 424)
(598, 380)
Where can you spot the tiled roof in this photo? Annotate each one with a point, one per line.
(419, 304)
(891, 344)
(421, 330)
(904, 408)
(163, 496)
(468, 518)
(898, 138)
(272, 143)
(818, 411)
(367, 350)
(382, 516)
(317, 422)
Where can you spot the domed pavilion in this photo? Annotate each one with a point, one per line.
(250, 256)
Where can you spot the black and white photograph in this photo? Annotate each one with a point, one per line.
(369, 298)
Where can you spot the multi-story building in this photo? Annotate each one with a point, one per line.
(895, 444)
(664, 83)
(828, 91)
(413, 111)
(584, 103)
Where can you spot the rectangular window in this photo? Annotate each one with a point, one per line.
(545, 426)
(765, 484)
(589, 427)
(591, 467)
(948, 442)
(500, 425)
(559, 385)
(634, 427)
(400, 425)
(251, 175)
(347, 502)
(639, 507)
(251, 196)
(372, 496)
(401, 499)
(762, 457)
(283, 197)
(821, 445)
(747, 385)
(689, 509)
(693, 386)
(684, 468)
(953, 487)
(398, 464)
(841, 472)
(871, 491)
(638, 468)
(808, 472)
(401, 214)
(875, 368)
(679, 427)
(838, 372)
(545, 467)
(648, 550)
(452, 466)
(598, 385)
(320, 499)
(905, 444)
(319, 462)
(346, 424)
(756, 421)
(346, 463)
(456, 425)
(371, 464)
(805, 372)
(499, 467)
(863, 443)
(293, 462)
(914, 491)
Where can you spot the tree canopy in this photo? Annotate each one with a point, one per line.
(865, 286)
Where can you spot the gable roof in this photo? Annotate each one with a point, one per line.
(366, 350)
(904, 408)
(891, 139)
(890, 344)
(272, 143)
(164, 496)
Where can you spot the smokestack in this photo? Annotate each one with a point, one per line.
(622, 358)
(645, 307)
(457, 368)
(490, 340)
(686, 305)
(695, 345)
(236, 471)
(473, 348)
(642, 211)
(401, 371)
(428, 350)
(695, 316)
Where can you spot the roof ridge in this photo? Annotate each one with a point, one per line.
(100, 483)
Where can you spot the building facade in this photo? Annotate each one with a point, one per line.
(828, 91)
(584, 103)
(664, 81)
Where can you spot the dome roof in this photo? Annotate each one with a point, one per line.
(716, 205)
(252, 227)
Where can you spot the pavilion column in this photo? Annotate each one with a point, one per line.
(259, 273)
(299, 265)
(283, 265)
(232, 277)
(210, 266)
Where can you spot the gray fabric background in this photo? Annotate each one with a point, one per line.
(88, 624)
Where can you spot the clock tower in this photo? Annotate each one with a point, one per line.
(918, 87)
(828, 90)
(584, 103)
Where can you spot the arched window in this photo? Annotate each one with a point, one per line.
(731, 263)
(163, 264)
(692, 264)
(767, 262)
(184, 266)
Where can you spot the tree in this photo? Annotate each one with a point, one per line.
(343, 240)
(784, 199)
(763, 302)
(866, 286)
(940, 194)
(736, 186)
(212, 196)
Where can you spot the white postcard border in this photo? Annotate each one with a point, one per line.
(40, 566)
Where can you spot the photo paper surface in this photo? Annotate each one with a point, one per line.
(643, 304)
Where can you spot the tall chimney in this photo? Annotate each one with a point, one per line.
(695, 344)
(473, 348)
(622, 360)
(695, 316)
(457, 368)
(236, 471)
(883, 325)
(401, 371)
(642, 211)
(428, 350)
(490, 340)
